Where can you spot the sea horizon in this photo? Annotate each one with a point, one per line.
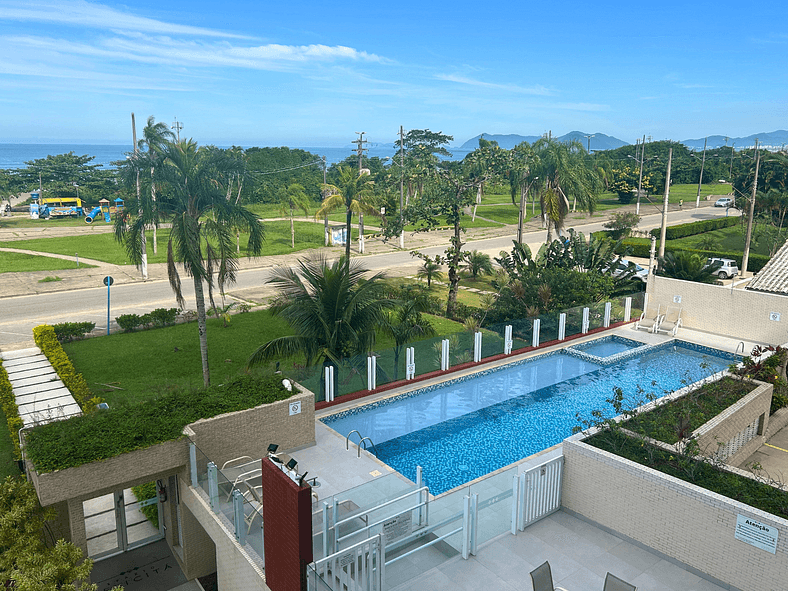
(15, 155)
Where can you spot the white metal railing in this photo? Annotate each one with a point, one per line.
(361, 567)
(537, 493)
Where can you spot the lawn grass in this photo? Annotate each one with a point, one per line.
(16, 262)
(104, 247)
(24, 221)
(505, 213)
(728, 240)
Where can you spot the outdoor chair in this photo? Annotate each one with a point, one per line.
(253, 495)
(542, 578)
(613, 583)
(650, 318)
(671, 321)
(244, 478)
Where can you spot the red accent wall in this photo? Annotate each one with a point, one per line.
(287, 515)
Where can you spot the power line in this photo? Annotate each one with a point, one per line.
(267, 172)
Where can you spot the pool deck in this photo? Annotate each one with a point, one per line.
(580, 553)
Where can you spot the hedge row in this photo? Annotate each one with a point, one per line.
(124, 428)
(10, 409)
(46, 340)
(69, 331)
(641, 247)
(693, 228)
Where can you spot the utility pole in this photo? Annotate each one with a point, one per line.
(664, 228)
(730, 170)
(401, 185)
(143, 245)
(746, 258)
(700, 180)
(360, 149)
(640, 177)
(588, 137)
(177, 126)
(327, 235)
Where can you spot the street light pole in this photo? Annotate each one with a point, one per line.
(401, 184)
(664, 227)
(640, 177)
(746, 258)
(700, 180)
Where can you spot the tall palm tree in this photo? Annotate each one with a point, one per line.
(563, 173)
(154, 137)
(291, 198)
(332, 310)
(353, 193)
(194, 200)
(523, 165)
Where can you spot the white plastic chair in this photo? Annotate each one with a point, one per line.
(671, 322)
(650, 318)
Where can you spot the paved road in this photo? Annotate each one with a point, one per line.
(20, 313)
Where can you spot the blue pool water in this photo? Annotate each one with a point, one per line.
(468, 427)
(607, 346)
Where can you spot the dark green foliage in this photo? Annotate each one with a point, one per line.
(478, 263)
(676, 420)
(771, 369)
(694, 228)
(143, 492)
(105, 434)
(161, 317)
(69, 331)
(158, 318)
(129, 322)
(621, 224)
(687, 266)
(263, 187)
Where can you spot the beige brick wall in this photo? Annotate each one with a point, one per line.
(678, 519)
(197, 557)
(737, 313)
(729, 423)
(248, 432)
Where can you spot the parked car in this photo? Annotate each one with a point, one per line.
(723, 268)
(624, 265)
(724, 202)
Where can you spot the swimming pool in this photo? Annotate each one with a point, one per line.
(472, 425)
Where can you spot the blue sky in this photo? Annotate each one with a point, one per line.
(313, 73)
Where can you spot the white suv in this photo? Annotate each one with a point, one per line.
(723, 268)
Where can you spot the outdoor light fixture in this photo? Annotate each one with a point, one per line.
(291, 464)
(272, 447)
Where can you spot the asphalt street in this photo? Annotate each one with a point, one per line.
(21, 308)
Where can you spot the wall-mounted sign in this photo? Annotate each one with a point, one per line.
(775, 316)
(398, 527)
(295, 408)
(756, 533)
(338, 235)
(676, 299)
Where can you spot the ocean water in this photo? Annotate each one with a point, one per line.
(15, 155)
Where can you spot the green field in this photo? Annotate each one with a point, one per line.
(728, 240)
(104, 247)
(15, 262)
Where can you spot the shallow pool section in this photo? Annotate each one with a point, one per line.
(471, 426)
(607, 346)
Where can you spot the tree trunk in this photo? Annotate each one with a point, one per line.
(360, 233)
(143, 245)
(521, 216)
(202, 328)
(348, 223)
(153, 199)
(454, 269)
(292, 229)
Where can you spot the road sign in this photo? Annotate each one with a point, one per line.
(108, 281)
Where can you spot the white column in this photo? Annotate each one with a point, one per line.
(608, 307)
(477, 347)
(535, 337)
(562, 326)
(507, 340)
(584, 328)
(371, 372)
(627, 309)
(444, 354)
(410, 363)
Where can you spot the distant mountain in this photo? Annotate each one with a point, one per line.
(599, 141)
(772, 140)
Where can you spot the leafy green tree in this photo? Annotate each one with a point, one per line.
(154, 137)
(621, 224)
(430, 270)
(522, 166)
(563, 172)
(193, 182)
(624, 182)
(422, 149)
(292, 198)
(478, 263)
(269, 169)
(331, 308)
(687, 266)
(25, 559)
(404, 324)
(353, 193)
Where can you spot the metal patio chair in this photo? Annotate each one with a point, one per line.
(542, 578)
(613, 583)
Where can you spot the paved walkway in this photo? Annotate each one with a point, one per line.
(40, 395)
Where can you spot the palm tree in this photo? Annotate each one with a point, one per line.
(404, 324)
(154, 137)
(430, 270)
(352, 193)
(522, 164)
(477, 263)
(203, 220)
(291, 198)
(332, 309)
(687, 266)
(563, 172)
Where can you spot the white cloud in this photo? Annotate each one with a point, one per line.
(86, 14)
(537, 90)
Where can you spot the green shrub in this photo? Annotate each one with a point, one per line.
(120, 429)
(10, 409)
(163, 316)
(157, 318)
(641, 247)
(69, 331)
(128, 322)
(693, 228)
(45, 339)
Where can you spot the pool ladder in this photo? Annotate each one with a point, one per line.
(361, 440)
(741, 344)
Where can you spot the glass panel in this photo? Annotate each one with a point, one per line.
(492, 340)
(142, 523)
(100, 524)
(314, 581)
(310, 378)
(549, 328)
(574, 321)
(460, 348)
(427, 354)
(617, 310)
(351, 375)
(596, 315)
(494, 505)
(253, 514)
(637, 304)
